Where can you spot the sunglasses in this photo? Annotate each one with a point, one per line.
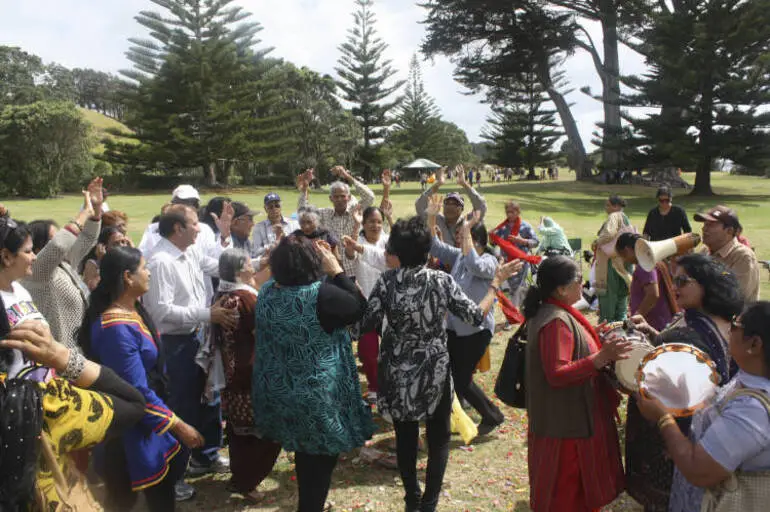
(681, 280)
(7, 225)
(664, 200)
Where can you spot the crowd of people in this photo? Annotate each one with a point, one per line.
(134, 364)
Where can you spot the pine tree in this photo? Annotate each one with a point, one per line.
(363, 75)
(200, 58)
(415, 129)
(523, 126)
(709, 80)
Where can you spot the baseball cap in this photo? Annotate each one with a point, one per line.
(242, 210)
(272, 196)
(457, 197)
(185, 192)
(720, 213)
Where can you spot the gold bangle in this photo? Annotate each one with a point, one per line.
(665, 419)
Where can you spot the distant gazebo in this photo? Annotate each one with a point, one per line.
(421, 164)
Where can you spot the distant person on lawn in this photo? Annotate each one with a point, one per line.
(665, 220)
(720, 229)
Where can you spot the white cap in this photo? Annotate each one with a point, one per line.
(185, 192)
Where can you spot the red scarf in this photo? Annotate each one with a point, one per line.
(510, 249)
(577, 315)
(511, 312)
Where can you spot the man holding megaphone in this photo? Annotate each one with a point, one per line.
(720, 229)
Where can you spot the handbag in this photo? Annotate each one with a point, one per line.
(74, 494)
(747, 491)
(510, 386)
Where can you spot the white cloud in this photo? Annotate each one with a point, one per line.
(94, 33)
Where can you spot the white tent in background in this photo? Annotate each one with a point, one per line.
(422, 163)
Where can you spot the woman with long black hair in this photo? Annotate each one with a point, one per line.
(37, 409)
(117, 332)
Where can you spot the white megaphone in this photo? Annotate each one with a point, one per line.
(650, 253)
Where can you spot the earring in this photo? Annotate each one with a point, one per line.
(749, 351)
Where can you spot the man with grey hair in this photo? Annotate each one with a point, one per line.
(338, 219)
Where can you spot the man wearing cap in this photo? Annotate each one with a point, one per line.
(271, 229)
(720, 228)
(241, 226)
(454, 204)
(338, 219)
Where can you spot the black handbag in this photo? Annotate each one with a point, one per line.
(510, 385)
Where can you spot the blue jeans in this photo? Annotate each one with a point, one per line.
(186, 382)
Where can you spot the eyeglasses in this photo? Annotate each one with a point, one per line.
(681, 280)
(274, 204)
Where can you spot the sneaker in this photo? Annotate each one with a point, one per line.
(220, 465)
(183, 491)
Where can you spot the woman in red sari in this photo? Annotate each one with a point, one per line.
(574, 453)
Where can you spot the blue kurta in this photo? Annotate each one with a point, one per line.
(122, 342)
(305, 389)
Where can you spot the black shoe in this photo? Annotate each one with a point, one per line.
(487, 428)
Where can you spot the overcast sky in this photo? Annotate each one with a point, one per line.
(94, 33)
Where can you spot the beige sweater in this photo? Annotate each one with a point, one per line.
(56, 288)
(609, 231)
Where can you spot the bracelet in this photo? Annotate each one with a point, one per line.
(666, 419)
(76, 363)
(76, 224)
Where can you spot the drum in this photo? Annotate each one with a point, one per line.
(625, 370)
(682, 377)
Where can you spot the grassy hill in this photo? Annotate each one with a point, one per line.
(102, 125)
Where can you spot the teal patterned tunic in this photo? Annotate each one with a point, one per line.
(305, 389)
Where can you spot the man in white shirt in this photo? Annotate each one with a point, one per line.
(269, 230)
(179, 308)
(207, 243)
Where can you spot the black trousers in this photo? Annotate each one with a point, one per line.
(314, 477)
(407, 438)
(120, 497)
(465, 352)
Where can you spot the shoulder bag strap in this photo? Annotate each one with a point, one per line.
(759, 395)
(60, 482)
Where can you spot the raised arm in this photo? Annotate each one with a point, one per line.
(477, 200)
(364, 193)
(303, 184)
(421, 205)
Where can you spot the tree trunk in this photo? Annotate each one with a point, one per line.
(583, 164)
(703, 172)
(611, 87)
(211, 174)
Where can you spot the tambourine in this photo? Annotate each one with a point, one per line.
(682, 377)
(625, 369)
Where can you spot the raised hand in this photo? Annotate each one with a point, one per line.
(387, 208)
(508, 270)
(473, 218)
(96, 191)
(223, 223)
(357, 213)
(329, 263)
(386, 178)
(460, 171)
(434, 205)
(304, 179)
(440, 177)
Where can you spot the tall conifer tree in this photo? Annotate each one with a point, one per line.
(364, 74)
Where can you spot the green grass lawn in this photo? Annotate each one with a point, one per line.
(491, 475)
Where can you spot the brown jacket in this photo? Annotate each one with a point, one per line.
(557, 412)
